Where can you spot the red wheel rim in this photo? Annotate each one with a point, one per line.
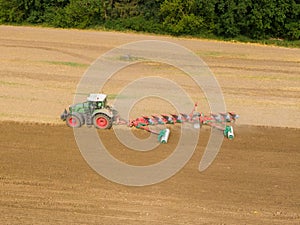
(72, 121)
(102, 122)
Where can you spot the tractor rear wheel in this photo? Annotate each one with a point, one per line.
(73, 121)
(102, 121)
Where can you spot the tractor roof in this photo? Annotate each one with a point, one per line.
(96, 97)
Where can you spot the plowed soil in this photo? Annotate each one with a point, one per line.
(45, 180)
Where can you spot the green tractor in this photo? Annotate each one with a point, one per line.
(92, 112)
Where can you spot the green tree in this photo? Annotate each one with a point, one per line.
(32, 11)
(107, 6)
(179, 17)
(123, 9)
(256, 19)
(206, 9)
(291, 28)
(226, 24)
(83, 13)
(149, 9)
(14, 10)
(54, 12)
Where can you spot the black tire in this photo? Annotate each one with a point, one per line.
(102, 121)
(73, 121)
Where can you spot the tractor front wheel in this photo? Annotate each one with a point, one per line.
(102, 121)
(73, 121)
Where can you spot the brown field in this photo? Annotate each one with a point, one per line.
(45, 180)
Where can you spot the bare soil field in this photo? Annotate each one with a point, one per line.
(45, 180)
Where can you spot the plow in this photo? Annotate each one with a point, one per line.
(96, 112)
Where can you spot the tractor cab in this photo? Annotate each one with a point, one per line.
(97, 101)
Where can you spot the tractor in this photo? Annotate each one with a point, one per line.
(94, 111)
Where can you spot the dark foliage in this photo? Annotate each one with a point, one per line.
(254, 19)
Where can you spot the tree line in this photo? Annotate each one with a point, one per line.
(255, 19)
